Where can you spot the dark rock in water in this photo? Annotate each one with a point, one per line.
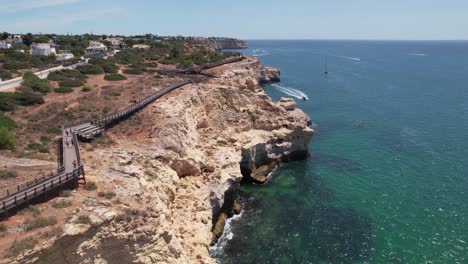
(260, 174)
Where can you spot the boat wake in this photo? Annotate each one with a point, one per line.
(416, 54)
(349, 58)
(227, 235)
(291, 91)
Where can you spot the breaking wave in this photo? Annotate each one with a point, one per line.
(226, 236)
(259, 53)
(290, 91)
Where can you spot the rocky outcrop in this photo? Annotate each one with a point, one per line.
(221, 43)
(176, 171)
(269, 75)
(287, 103)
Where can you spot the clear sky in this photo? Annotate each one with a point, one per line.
(247, 19)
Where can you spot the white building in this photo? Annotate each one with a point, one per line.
(116, 42)
(42, 49)
(141, 46)
(95, 47)
(4, 45)
(64, 56)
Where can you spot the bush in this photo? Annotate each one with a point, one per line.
(90, 186)
(86, 88)
(26, 98)
(3, 227)
(63, 90)
(114, 77)
(5, 121)
(19, 246)
(62, 203)
(90, 69)
(107, 195)
(66, 74)
(133, 71)
(7, 140)
(7, 174)
(54, 130)
(33, 83)
(45, 139)
(83, 219)
(5, 75)
(38, 147)
(40, 222)
(70, 83)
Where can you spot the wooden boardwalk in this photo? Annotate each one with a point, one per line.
(70, 169)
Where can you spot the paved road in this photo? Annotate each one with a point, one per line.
(10, 85)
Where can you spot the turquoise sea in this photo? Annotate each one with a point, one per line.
(387, 179)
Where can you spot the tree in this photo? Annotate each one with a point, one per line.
(4, 35)
(28, 39)
(7, 140)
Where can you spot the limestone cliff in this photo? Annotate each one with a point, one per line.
(221, 43)
(174, 166)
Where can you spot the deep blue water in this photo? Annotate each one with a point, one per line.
(387, 180)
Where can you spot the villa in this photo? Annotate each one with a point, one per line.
(4, 45)
(43, 49)
(64, 56)
(141, 46)
(95, 47)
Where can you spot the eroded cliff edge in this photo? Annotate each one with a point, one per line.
(173, 166)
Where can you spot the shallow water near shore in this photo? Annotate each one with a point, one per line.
(387, 180)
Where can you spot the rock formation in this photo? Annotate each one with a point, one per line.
(175, 173)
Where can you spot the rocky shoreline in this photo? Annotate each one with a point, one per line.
(175, 167)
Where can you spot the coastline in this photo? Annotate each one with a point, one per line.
(181, 170)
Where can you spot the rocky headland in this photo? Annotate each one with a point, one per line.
(174, 167)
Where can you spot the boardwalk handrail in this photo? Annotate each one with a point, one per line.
(25, 185)
(39, 188)
(12, 197)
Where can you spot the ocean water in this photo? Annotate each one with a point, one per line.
(387, 179)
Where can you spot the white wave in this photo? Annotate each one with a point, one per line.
(416, 54)
(290, 91)
(226, 236)
(259, 53)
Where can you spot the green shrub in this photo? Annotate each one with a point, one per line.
(39, 222)
(107, 195)
(5, 121)
(19, 246)
(70, 83)
(63, 90)
(86, 88)
(90, 186)
(26, 98)
(7, 140)
(33, 83)
(5, 75)
(90, 69)
(38, 147)
(114, 77)
(7, 174)
(62, 203)
(66, 74)
(54, 130)
(7, 101)
(83, 219)
(133, 71)
(45, 139)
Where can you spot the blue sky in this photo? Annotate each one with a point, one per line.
(254, 19)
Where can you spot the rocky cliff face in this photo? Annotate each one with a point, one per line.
(174, 167)
(219, 44)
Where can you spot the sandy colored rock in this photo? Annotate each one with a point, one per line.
(174, 171)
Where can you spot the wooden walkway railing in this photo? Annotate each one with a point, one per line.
(22, 193)
(12, 197)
